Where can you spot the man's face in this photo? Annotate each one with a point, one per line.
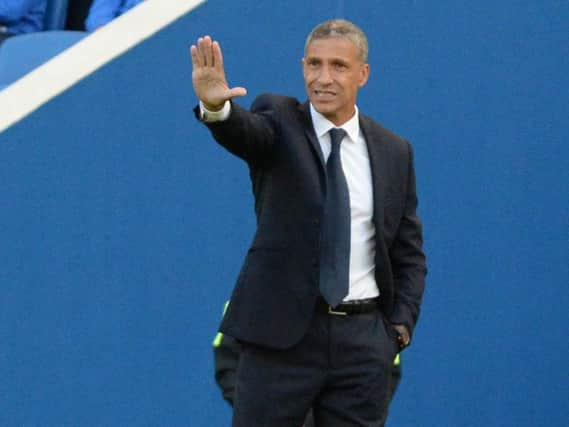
(333, 73)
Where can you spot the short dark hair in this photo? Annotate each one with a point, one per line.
(342, 29)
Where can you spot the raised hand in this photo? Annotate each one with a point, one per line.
(208, 75)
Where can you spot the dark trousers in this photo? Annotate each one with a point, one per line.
(341, 368)
(395, 380)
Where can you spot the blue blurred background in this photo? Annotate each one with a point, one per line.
(123, 225)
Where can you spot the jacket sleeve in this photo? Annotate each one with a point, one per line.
(250, 135)
(407, 258)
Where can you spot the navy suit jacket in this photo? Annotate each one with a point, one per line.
(274, 297)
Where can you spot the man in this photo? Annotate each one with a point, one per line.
(331, 287)
(104, 11)
(21, 17)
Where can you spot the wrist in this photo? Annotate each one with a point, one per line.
(208, 115)
(212, 108)
(403, 336)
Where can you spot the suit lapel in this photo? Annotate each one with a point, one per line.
(377, 159)
(310, 135)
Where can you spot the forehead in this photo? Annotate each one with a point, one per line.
(332, 47)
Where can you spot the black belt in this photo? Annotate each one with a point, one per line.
(347, 307)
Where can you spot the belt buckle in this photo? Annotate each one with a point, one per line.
(336, 313)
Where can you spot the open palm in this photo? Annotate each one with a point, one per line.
(208, 75)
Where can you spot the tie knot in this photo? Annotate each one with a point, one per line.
(336, 136)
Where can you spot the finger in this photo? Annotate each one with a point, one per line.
(217, 56)
(201, 51)
(208, 54)
(197, 52)
(195, 57)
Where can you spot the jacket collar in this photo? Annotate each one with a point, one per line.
(377, 156)
(309, 132)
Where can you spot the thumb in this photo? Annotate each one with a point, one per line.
(237, 91)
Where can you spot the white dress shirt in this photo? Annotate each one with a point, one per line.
(357, 169)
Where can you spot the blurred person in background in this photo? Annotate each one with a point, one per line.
(21, 17)
(77, 12)
(104, 11)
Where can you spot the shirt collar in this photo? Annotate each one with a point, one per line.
(322, 125)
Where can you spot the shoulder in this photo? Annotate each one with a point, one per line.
(279, 109)
(274, 101)
(376, 130)
(376, 133)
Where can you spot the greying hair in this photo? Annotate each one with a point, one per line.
(342, 29)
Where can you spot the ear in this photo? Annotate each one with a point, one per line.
(303, 65)
(364, 74)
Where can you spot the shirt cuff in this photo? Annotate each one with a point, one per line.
(215, 116)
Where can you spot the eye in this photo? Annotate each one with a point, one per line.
(312, 63)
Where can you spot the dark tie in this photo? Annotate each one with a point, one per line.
(335, 239)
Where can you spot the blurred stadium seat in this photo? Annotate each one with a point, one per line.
(21, 54)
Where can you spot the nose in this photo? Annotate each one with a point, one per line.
(324, 77)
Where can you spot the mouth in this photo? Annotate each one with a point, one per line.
(324, 94)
